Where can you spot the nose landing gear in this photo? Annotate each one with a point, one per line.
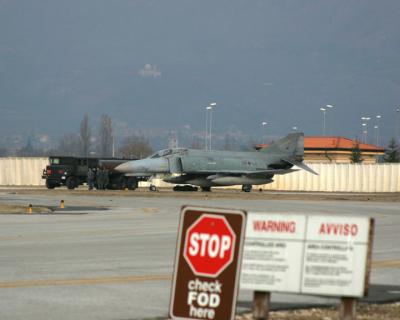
(247, 187)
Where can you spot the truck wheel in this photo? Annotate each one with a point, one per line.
(118, 183)
(131, 183)
(71, 183)
(50, 185)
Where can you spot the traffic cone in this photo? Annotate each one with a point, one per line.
(62, 205)
(29, 209)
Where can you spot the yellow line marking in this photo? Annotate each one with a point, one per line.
(124, 279)
(79, 282)
(386, 264)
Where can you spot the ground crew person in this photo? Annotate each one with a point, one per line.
(106, 178)
(100, 179)
(90, 179)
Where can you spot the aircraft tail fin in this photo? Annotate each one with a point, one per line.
(291, 150)
(291, 145)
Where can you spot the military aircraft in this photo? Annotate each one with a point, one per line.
(212, 168)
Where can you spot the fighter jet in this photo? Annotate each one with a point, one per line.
(213, 168)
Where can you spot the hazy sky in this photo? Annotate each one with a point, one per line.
(158, 63)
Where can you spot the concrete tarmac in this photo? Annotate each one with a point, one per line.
(107, 256)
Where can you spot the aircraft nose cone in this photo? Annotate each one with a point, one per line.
(124, 167)
(144, 166)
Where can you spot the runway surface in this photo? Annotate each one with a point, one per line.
(90, 262)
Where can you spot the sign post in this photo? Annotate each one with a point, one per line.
(261, 305)
(207, 263)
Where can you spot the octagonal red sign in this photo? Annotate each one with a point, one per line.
(209, 245)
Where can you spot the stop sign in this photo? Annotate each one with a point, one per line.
(209, 245)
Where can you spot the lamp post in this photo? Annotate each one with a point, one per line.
(210, 107)
(376, 127)
(113, 146)
(365, 127)
(398, 123)
(264, 133)
(378, 117)
(324, 110)
(206, 132)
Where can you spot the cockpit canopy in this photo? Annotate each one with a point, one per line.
(168, 152)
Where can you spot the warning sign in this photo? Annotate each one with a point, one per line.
(273, 249)
(324, 255)
(207, 263)
(336, 256)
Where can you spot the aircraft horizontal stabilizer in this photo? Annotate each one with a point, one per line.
(300, 165)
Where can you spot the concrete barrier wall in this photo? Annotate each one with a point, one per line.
(339, 177)
(22, 171)
(18, 171)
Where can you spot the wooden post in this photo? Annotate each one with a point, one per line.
(348, 308)
(261, 302)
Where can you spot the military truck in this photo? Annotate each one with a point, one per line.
(72, 172)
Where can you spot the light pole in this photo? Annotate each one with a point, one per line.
(376, 127)
(324, 110)
(264, 133)
(210, 107)
(398, 123)
(378, 117)
(113, 146)
(365, 125)
(206, 133)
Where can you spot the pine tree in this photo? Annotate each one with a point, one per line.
(356, 154)
(392, 152)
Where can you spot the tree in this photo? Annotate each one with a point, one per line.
(105, 136)
(135, 147)
(29, 150)
(356, 154)
(3, 152)
(197, 144)
(69, 145)
(392, 152)
(229, 142)
(85, 135)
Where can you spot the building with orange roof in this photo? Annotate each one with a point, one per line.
(338, 150)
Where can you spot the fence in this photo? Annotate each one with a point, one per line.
(22, 171)
(332, 177)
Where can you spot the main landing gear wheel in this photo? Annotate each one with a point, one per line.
(246, 187)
